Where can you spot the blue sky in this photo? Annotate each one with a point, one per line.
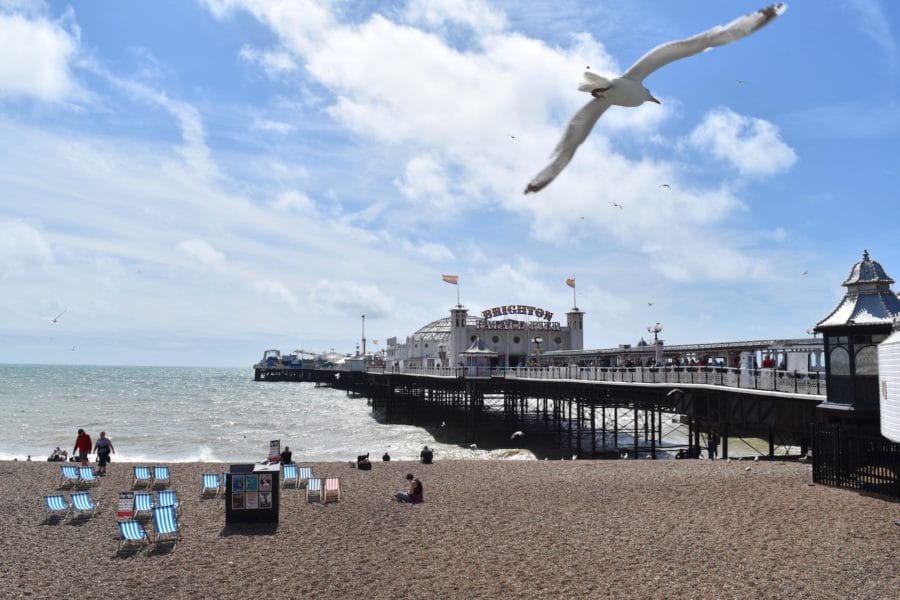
(194, 182)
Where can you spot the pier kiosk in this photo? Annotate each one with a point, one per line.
(252, 493)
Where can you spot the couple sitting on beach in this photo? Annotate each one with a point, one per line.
(414, 495)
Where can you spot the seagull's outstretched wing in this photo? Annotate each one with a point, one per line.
(717, 36)
(577, 130)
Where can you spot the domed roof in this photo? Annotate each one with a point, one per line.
(869, 299)
(867, 271)
(439, 330)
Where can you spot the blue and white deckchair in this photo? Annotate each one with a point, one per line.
(82, 504)
(131, 532)
(289, 476)
(210, 484)
(314, 489)
(57, 506)
(304, 474)
(165, 524)
(160, 475)
(87, 475)
(143, 504)
(168, 498)
(68, 475)
(142, 476)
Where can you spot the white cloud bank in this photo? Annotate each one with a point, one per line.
(753, 146)
(34, 59)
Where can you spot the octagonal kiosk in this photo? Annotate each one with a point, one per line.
(252, 493)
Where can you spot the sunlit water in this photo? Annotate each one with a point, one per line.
(198, 414)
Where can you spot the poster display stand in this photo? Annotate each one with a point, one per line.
(252, 493)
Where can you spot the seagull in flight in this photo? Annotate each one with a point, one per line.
(516, 434)
(615, 205)
(665, 185)
(628, 90)
(54, 319)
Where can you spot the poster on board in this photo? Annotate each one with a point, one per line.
(125, 508)
(274, 450)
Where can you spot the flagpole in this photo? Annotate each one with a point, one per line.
(457, 294)
(574, 303)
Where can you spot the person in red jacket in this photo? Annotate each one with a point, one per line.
(83, 446)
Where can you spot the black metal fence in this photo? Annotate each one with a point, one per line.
(866, 462)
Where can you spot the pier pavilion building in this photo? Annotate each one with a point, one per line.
(508, 335)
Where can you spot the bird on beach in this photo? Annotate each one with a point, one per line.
(628, 90)
(54, 319)
(516, 434)
(473, 446)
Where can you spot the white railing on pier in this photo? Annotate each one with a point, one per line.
(769, 380)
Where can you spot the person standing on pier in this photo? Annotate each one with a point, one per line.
(82, 447)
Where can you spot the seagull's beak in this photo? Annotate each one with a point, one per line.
(652, 99)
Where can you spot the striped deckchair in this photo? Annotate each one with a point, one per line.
(168, 498)
(160, 476)
(210, 484)
(88, 477)
(143, 504)
(56, 506)
(82, 504)
(142, 476)
(68, 475)
(314, 489)
(304, 474)
(289, 476)
(165, 525)
(131, 532)
(332, 490)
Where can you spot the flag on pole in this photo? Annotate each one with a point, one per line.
(570, 282)
(454, 279)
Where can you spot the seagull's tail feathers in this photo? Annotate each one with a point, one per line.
(592, 81)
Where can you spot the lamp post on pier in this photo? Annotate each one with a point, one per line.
(537, 347)
(655, 329)
(364, 335)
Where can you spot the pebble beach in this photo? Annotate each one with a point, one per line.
(487, 529)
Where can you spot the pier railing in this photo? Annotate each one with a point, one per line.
(769, 380)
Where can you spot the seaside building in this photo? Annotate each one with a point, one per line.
(508, 335)
(852, 332)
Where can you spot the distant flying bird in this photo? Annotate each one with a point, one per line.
(73, 348)
(337, 375)
(516, 434)
(54, 319)
(473, 446)
(616, 205)
(628, 90)
(443, 423)
(665, 185)
(674, 391)
(805, 272)
(740, 81)
(651, 303)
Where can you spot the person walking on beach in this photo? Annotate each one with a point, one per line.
(103, 447)
(714, 445)
(426, 456)
(414, 495)
(82, 447)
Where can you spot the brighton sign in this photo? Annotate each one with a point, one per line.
(509, 324)
(517, 309)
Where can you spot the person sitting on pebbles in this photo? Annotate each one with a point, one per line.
(414, 494)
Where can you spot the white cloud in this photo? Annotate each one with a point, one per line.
(274, 62)
(36, 56)
(22, 248)
(752, 146)
(350, 297)
(204, 253)
(472, 13)
(279, 127)
(872, 21)
(278, 290)
(294, 201)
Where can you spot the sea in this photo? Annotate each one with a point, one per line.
(185, 414)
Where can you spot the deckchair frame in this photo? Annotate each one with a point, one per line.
(132, 532)
(168, 498)
(138, 477)
(161, 476)
(210, 484)
(56, 504)
(165, 525)
(314, 488)
(143, 504)
(82, 503)
(332, 490)
(68, 474)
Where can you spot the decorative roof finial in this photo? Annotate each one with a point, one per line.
(865, 255)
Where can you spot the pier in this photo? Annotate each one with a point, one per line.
(591, 412)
